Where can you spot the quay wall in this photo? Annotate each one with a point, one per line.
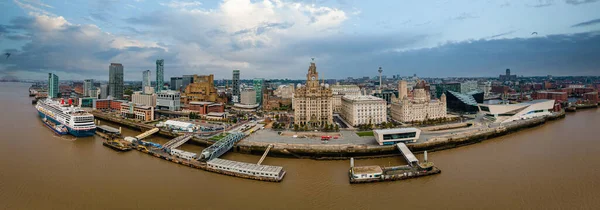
(345, 151)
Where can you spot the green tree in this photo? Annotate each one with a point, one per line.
(295, 127)
(337, 128)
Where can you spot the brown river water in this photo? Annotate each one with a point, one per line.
(553, 166)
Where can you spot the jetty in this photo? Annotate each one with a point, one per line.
(364, 174)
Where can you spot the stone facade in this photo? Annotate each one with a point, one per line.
(360, 110)
(313, 102)
(419, 108)
(201, 89)
(340, 91)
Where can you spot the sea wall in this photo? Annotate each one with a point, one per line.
(345, 151)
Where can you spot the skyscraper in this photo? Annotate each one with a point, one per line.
(52, 85)
(235, 96)
(176, 83)
(88, 84)
(186, 80)
(115, 80)
(145, 80)
(103, 91)
(259, 87)
(160, 77)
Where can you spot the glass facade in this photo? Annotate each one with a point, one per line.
(160, 77)
(115, 80)
(399, 136)
(52, 85)
(259, 87)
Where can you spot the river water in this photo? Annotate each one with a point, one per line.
(553, 166)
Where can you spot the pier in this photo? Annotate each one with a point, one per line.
(363, 174)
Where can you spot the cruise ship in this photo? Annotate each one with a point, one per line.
(78, 122)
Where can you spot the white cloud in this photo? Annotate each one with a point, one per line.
(182, 4)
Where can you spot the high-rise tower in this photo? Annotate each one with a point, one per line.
(146, 80)
(235, 96)
(160, 77)
(115, 80)
(52, 85)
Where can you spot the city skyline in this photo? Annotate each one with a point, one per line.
(438, 39)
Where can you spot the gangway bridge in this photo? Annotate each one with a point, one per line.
(177, 141)
(265, 154)
(220, 147)
(147, 133)
(407, 154)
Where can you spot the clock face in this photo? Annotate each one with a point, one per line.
(313, 78)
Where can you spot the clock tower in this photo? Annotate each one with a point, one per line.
(313, 102)
(312, 78)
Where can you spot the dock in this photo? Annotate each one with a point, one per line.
(364, 174)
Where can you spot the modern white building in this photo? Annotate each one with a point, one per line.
(284, 91)
(340, 91)
(168, 99)
(145, 99)
(248, 97)
(504, 113)
(396, 135)
(360, 110)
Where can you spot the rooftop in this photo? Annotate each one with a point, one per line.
(246, 166)
(362, 98)
(396, 130)
(367, 169)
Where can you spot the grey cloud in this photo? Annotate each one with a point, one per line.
(543, 3)
(587, 23)
(264, 28)
(578, 2)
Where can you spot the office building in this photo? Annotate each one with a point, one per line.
(137, 111)
(235, 95)
(88, 86)
(396, 135)
(168, 100)
(248, 97)
(160, 77)
(284, 91)
(103, 91)
(340, 91)
(202, 89)
(176, 83)
(363, 110)
(52, 85)
(387, 95)
(258, 85)
(418, 108)
(186, 80)
(115, 80)
(203, 107)
(139, 97)
(443, 87)
(464, 103)
(313, 101)
(146, 80)
(468, 86)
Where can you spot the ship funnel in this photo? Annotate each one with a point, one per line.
(351, 162)
(425, 156)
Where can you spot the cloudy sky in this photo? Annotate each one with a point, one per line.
(78, 39)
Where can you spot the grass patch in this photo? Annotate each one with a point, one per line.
(218, 137)
(365, 133)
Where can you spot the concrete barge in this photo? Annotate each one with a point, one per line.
(414, 169)
(207, 165)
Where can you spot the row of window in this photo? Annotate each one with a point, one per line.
(247, 172)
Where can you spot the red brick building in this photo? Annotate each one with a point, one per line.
(203, 107)
(108, 104)
(591, 97)
(557, 96)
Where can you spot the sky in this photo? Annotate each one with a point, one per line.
(78, 39)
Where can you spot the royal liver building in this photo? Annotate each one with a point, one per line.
(313, 101)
